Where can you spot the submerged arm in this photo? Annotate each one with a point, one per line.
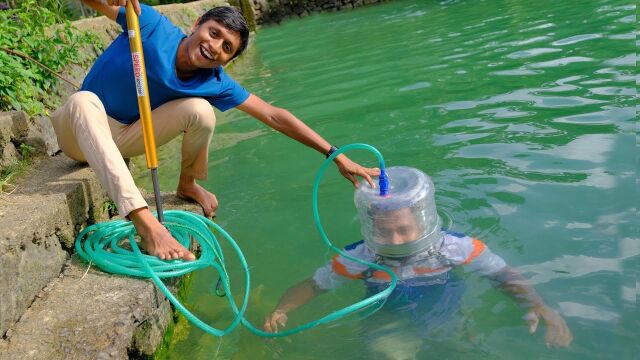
(292, 299)
(558, 333)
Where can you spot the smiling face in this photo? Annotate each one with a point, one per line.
(209, 46)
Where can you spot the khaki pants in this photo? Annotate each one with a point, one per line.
(86, 133)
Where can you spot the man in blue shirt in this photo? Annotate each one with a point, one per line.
(185, 75)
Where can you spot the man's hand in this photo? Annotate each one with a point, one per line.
(136, 4)
(271, 322)
(350, 170)
(558, 333)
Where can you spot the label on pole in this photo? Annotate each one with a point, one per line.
(137, 73)
(132, 34)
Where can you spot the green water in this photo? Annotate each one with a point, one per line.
(523, 113)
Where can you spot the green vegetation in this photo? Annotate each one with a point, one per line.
(16, 168)
(109, 208)
(179, 326)
(74, 9)
(37, 42)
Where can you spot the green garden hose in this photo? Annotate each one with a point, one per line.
(101, 245)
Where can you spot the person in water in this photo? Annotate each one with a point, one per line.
(403, 232)
(100, 124)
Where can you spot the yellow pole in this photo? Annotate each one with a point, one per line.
(140, 75)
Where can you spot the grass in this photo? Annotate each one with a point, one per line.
(16, 168)
(109, 208)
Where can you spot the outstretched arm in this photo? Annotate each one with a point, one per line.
(110, 8)
(292, 299)
(558, 333)
(286, 123)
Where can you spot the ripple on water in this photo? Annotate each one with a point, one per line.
(531, 53)
(576, 39)
(618, 75)
(456, 56)
(569, 79)
(604, 117)
(589, 312)
(595, 81)
(538, 27)
(613, 91)
(593, 148)
(516, 72)
(560, 62)
(416, 86)
(570, 267)
(457, 138)
(528, 41)
(627, 36)
(626, 60)
(506, 112)
(475, 123)
(526, 96)
(631, 19)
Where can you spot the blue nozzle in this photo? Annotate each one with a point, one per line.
(384, 182)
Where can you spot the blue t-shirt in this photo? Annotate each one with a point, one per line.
(111, 77)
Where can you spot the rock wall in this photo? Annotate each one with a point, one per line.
(16, 128)
(274, 11)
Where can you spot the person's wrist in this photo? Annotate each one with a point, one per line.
(332, 149)
(543, 311)
(279, 311)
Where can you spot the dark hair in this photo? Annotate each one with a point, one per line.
(231, 18)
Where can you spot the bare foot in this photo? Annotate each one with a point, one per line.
(189, 190)
(156, 239)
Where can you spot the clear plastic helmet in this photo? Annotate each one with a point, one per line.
(404, 222)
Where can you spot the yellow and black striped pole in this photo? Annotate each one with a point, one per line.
(140, 77)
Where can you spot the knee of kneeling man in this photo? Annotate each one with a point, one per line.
(85, 98)
(203, 113)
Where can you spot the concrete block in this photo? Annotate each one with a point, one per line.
(14, 125)
(38, 222)
(88, 314)
(8, 153)
(41, 137)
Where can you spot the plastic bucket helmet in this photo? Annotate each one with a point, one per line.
(409, 188)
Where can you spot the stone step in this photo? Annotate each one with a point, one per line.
(90, 315)
(38, 222)
(16, 128)
(51, 309)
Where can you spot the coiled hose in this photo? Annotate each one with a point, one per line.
(98, 244)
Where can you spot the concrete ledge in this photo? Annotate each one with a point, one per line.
(274, 11)
(38, 222)
(49, 314)
(92, 316)
(87, 314)
(17, 128)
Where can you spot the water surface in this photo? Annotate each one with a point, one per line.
(523, 113)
